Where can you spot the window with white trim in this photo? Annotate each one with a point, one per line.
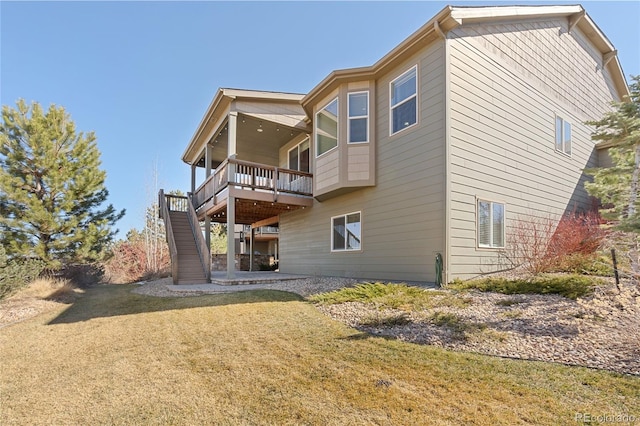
(345, 232)
(358, 106)
(299, 157)
(563, 135)
(403, 100)
(327, 128)
(490, 224)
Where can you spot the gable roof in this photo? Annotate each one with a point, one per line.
(451, 17)
(218, 109)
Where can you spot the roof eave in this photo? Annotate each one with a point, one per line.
(215, 102)
(600, 40)
(451, 17)
(340, 76)
(472, 14)
(221, 101)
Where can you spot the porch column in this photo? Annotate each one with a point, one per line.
(253, 235)
(231, 238)
(233, 127)
(193, 178)
(207, 220)
(231, 201)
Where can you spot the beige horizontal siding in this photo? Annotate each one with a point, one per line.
(507, 83)
(358, 162)
(326, 170)
(403, 215)
(541, 51)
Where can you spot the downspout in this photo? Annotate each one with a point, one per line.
(447, 155)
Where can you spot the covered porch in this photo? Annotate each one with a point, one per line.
(252, 149)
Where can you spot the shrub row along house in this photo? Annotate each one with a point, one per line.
(417, 165)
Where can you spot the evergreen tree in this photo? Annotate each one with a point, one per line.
(51, 188)
(617, 186)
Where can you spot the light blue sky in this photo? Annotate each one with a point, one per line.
(141, 74)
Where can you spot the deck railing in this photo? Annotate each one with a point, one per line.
(263, 230)
(201, 243)
(253, 176)
(164, 215)
(177, 203)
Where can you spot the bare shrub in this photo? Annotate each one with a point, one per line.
(627, 247)
(130, 261)
(529, 242)
(544, 244)
(577, 233)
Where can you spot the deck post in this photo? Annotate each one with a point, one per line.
(193, 178)
(231, 201)
(207, 220)
(253, 235)
(231, 238)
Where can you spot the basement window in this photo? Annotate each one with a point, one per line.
(490, 224)
(345, 232)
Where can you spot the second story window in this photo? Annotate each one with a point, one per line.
(358, 105)
(327, 128)
(563, 135)
(299, 157)
(403, 104)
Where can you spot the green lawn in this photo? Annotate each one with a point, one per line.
(268, 357)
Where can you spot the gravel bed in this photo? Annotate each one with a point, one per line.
(601, 331)
(13, 311)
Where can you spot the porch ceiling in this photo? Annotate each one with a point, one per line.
(273, 135)
(251, 211)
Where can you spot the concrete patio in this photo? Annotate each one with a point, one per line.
(248, 280)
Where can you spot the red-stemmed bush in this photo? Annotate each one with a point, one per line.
(131, 261)
(544, 244)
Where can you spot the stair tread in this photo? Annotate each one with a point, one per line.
(190, 270)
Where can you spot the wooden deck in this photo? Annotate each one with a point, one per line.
(260, 192)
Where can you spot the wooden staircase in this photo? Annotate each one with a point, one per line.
(190, 256)
(190, 270)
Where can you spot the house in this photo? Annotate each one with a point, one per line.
(473, 121)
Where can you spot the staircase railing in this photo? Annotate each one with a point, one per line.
(201, 244)
(173, 250)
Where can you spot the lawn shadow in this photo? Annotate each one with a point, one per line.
(111, 300)
(363, 335)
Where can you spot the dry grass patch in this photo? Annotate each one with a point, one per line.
(268, 357)
(40, 296)
(49, 289)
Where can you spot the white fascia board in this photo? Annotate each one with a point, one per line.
(259, 94)
(491, 13)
